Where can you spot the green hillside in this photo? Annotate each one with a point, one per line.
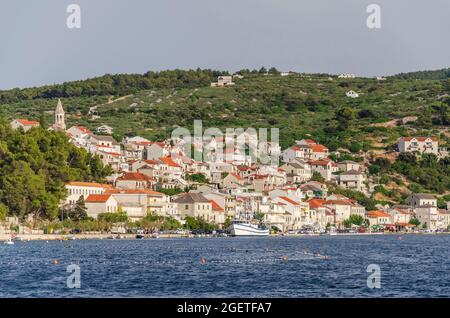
(299, 104)
(426, 75)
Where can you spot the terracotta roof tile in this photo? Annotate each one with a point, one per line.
(27, 122)
(98, 198)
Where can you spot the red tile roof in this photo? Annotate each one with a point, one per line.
(135, 176)
(319, 148)
(316, 203)
(98, 198)
(289, 200)
(88, 184)
(245, 168)
(84, 129)
(168, 161)
(320, 163)
(151, 162)
(141, 191)
(216, 206)
(260, 176)
(419, 138)
(236, 176)
(378, 214)
(27, 122)
(405, 224)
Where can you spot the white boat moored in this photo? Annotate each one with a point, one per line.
(9, 242)
(239, 228)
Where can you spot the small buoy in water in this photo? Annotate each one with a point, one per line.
(284, 258)
(55, 262)
(203, 260)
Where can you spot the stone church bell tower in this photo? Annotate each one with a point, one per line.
(60, 118)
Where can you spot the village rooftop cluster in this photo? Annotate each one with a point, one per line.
(236, 186)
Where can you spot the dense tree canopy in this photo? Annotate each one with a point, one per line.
(120, 84)
(34, 167)
(429, 172)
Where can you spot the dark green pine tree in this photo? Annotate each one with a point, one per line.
(42, 120)
(79, 211)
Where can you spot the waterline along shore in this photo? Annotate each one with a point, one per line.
(62, 237)
(59, 237)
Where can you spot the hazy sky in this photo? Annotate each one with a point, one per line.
(134, 36)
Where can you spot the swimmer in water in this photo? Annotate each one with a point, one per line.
(203, 260)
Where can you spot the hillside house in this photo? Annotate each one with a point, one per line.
(419, 144)
(25, 124)
(352, 179)
(134, 181)
(352, 94)
(223, 81)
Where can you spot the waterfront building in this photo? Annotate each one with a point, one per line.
(428, 215)
(76, 189)
(194, 205)
(101, 203)
(379, 218)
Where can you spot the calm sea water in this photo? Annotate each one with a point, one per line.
(414, 266)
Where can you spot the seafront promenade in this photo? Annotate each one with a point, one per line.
(59, 237)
